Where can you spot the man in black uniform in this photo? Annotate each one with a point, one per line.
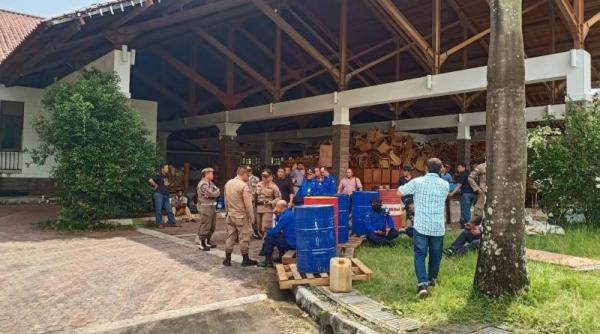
(286, 186)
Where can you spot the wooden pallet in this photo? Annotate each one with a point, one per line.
(347, 249)
(344, 250)
(289, 276)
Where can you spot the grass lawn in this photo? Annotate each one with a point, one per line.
(558, 300)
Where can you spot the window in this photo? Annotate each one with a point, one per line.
(11, 125)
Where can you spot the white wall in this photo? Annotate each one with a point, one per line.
(114, 61)
(32, 108)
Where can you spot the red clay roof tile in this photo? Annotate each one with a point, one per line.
(14, 28)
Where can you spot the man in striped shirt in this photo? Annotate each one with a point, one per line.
(430, 193)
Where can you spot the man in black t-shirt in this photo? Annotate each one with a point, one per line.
(467, 196)
(160, 183)
(286, 186)
(407, 200)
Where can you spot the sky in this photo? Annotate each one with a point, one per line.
(46, 8)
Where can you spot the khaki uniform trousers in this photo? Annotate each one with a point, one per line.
(208, 218)
(264, 221)
(479, 207)
(238, 229)
(183, 212)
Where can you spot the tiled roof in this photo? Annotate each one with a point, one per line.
(14, 27)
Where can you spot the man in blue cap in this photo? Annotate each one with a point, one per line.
(308, 188)
(282, 235)
(379, 225)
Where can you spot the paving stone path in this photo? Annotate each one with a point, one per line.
(55, 281)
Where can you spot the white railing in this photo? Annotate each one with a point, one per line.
(10, 160)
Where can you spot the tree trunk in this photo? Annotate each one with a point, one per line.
(501, 266)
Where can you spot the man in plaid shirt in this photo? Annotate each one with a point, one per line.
(430, 193)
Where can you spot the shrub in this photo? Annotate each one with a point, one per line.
(565, 163)
(100, 146)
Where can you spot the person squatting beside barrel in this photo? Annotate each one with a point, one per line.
(379, 225)
(267, 194)
(282, 235)
(240, 216)
(207, 195)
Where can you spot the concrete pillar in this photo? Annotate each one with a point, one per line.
(266, 150)
(463, 144)
(340, 133)
(229, 151)
(163, 139)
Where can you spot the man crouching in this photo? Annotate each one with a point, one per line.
(282, 235)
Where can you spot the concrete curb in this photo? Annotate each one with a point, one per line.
(329, 318)
(215, 251)
(139, 320)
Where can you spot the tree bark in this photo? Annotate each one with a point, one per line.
(501, 266)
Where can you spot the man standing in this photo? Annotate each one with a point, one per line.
(282, 235)
(349, 184)
(179, 204)
(252, 182)
(160, 183)
(267, 194)
(207, 194)
(467, 196)
(240, 216)
(285, 185)
(430, 193)
(298, 174)
(446, 176)
(379, 225)
(329, 183)
(479, 186)
(308, 188)
(407, 200)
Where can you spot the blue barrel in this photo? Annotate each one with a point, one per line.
(315, 238)
(343, 217)
(361, 204)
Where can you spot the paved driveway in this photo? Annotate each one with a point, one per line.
(54, 281)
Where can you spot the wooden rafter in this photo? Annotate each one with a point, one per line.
(296, 37)
(131, 14)
(403, 23)
(236, 59)
(152, 83)
(265, 50)
(191, 74)
(572, 17)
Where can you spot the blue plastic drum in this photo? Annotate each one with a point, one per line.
(315, 238)
(343, 217)
(361, 204)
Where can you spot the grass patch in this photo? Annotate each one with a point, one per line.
(580, 240)
(558, 300)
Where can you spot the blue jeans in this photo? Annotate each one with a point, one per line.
(270, 243)
(161, 202)
(435, 245)
(466, 202)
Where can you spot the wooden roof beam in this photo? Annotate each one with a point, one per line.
(153, 83)
(571, 19)
(236, 59)
(464, 19)
(265, 50)
(296, 37)
(403, 23)
(191, 74)
(130, 15)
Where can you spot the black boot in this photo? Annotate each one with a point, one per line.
(255, 235)
(209, 244)
(267, 263)
(227, 261)
(247, 262)
(203, 246)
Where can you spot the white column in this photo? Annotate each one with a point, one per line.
(163, 139)
(579, 81)
(227, 129)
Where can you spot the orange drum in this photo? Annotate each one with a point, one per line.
(391, 200)
(311, 200)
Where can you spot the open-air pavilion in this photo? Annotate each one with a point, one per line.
(209, 75)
